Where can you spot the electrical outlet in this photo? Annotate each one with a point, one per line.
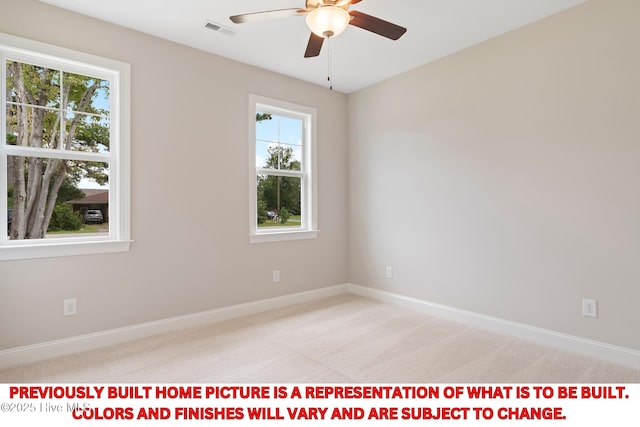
(276, 276)
(389, 272)
(590, 308)
(70, 307)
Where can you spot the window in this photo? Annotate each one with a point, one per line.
(282, 171)
(64, 128)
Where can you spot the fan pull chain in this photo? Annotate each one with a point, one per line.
(329, 65)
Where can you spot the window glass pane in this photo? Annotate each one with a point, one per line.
(281, 129)
(32, 85)
(278, 156)
(278, 142)
(290, 157)
(87, 132)
(32, 126)
(86, 94)
(266, 127)
(264, 159)
(50, 198)
(279, 201)
(87, 106)
(290, 130)
(33, 101)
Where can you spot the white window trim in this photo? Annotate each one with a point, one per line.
(309, 229)
(118, 73)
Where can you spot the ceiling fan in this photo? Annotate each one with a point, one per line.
(327, 18)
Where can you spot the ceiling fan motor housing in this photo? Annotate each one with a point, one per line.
(328, 21)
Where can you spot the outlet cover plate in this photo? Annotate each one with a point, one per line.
(70, 307)
(590, 308)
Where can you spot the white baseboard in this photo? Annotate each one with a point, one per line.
(47, 350)
(598, 350)
(50, 349)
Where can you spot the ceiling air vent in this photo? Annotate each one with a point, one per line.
(220, 28)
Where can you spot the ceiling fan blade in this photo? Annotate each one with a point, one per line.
(266, 15)
(314, 46)
(376, 25)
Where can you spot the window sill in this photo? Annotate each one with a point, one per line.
(282, 236)
(40, 250)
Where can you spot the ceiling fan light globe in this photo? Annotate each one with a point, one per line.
(328, 21)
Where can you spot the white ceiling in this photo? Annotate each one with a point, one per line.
(436, 28)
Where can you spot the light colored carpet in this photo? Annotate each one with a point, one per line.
(343, 339)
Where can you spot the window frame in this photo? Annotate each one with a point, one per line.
(118, 73)
(308, 184)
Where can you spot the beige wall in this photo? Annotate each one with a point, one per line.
(189, 211)
(504, 179)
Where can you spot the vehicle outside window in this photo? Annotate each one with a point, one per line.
(93, 216)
